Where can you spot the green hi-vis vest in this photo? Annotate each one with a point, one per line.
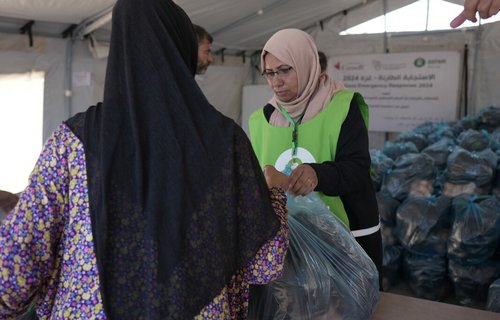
(316, 139)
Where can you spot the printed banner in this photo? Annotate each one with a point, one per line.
(403, 90)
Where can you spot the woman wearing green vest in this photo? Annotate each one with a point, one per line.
(316, 131)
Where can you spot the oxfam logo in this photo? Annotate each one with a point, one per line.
(419, 62)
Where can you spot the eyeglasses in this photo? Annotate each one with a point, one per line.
(281, 72)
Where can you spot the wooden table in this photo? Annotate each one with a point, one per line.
(398, 307)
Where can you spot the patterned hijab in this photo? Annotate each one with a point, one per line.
(177, 198)
(297, 49)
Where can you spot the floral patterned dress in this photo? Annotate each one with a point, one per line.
(47, 251)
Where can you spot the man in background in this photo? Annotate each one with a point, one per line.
(224, 103)
(323, 61)
(204, 49)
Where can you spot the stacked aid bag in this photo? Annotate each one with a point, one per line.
(493, 302)
(474, 238)
(422, 227)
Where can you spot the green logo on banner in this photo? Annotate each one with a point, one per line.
(419, 62)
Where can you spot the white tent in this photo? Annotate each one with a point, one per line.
(67, 40)
(236, 24)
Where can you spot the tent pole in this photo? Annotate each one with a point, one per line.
(466, 80)
(68, 78)
(92, 23)
(386, 50)
(473, 96)
(386, 45)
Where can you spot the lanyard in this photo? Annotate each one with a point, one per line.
(295, 124)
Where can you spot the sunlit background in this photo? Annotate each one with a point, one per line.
(21, 121)
(414, 18)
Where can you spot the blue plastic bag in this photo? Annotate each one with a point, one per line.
(327, 275)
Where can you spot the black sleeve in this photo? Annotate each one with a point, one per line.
(268, 111)
(348, 173)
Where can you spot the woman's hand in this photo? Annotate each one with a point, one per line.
(302, 181)
(274, 178)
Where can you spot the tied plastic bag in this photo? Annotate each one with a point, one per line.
(475, 232)
(379, 167)
(327, 275)
(413, 174)
(493, 302)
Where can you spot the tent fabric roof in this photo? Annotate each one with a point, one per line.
(64, 11)
(248, 24)
(237, 25)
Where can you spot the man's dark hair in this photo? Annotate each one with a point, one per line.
(201, 33)
(323, 62)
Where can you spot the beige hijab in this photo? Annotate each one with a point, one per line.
(315, 90)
